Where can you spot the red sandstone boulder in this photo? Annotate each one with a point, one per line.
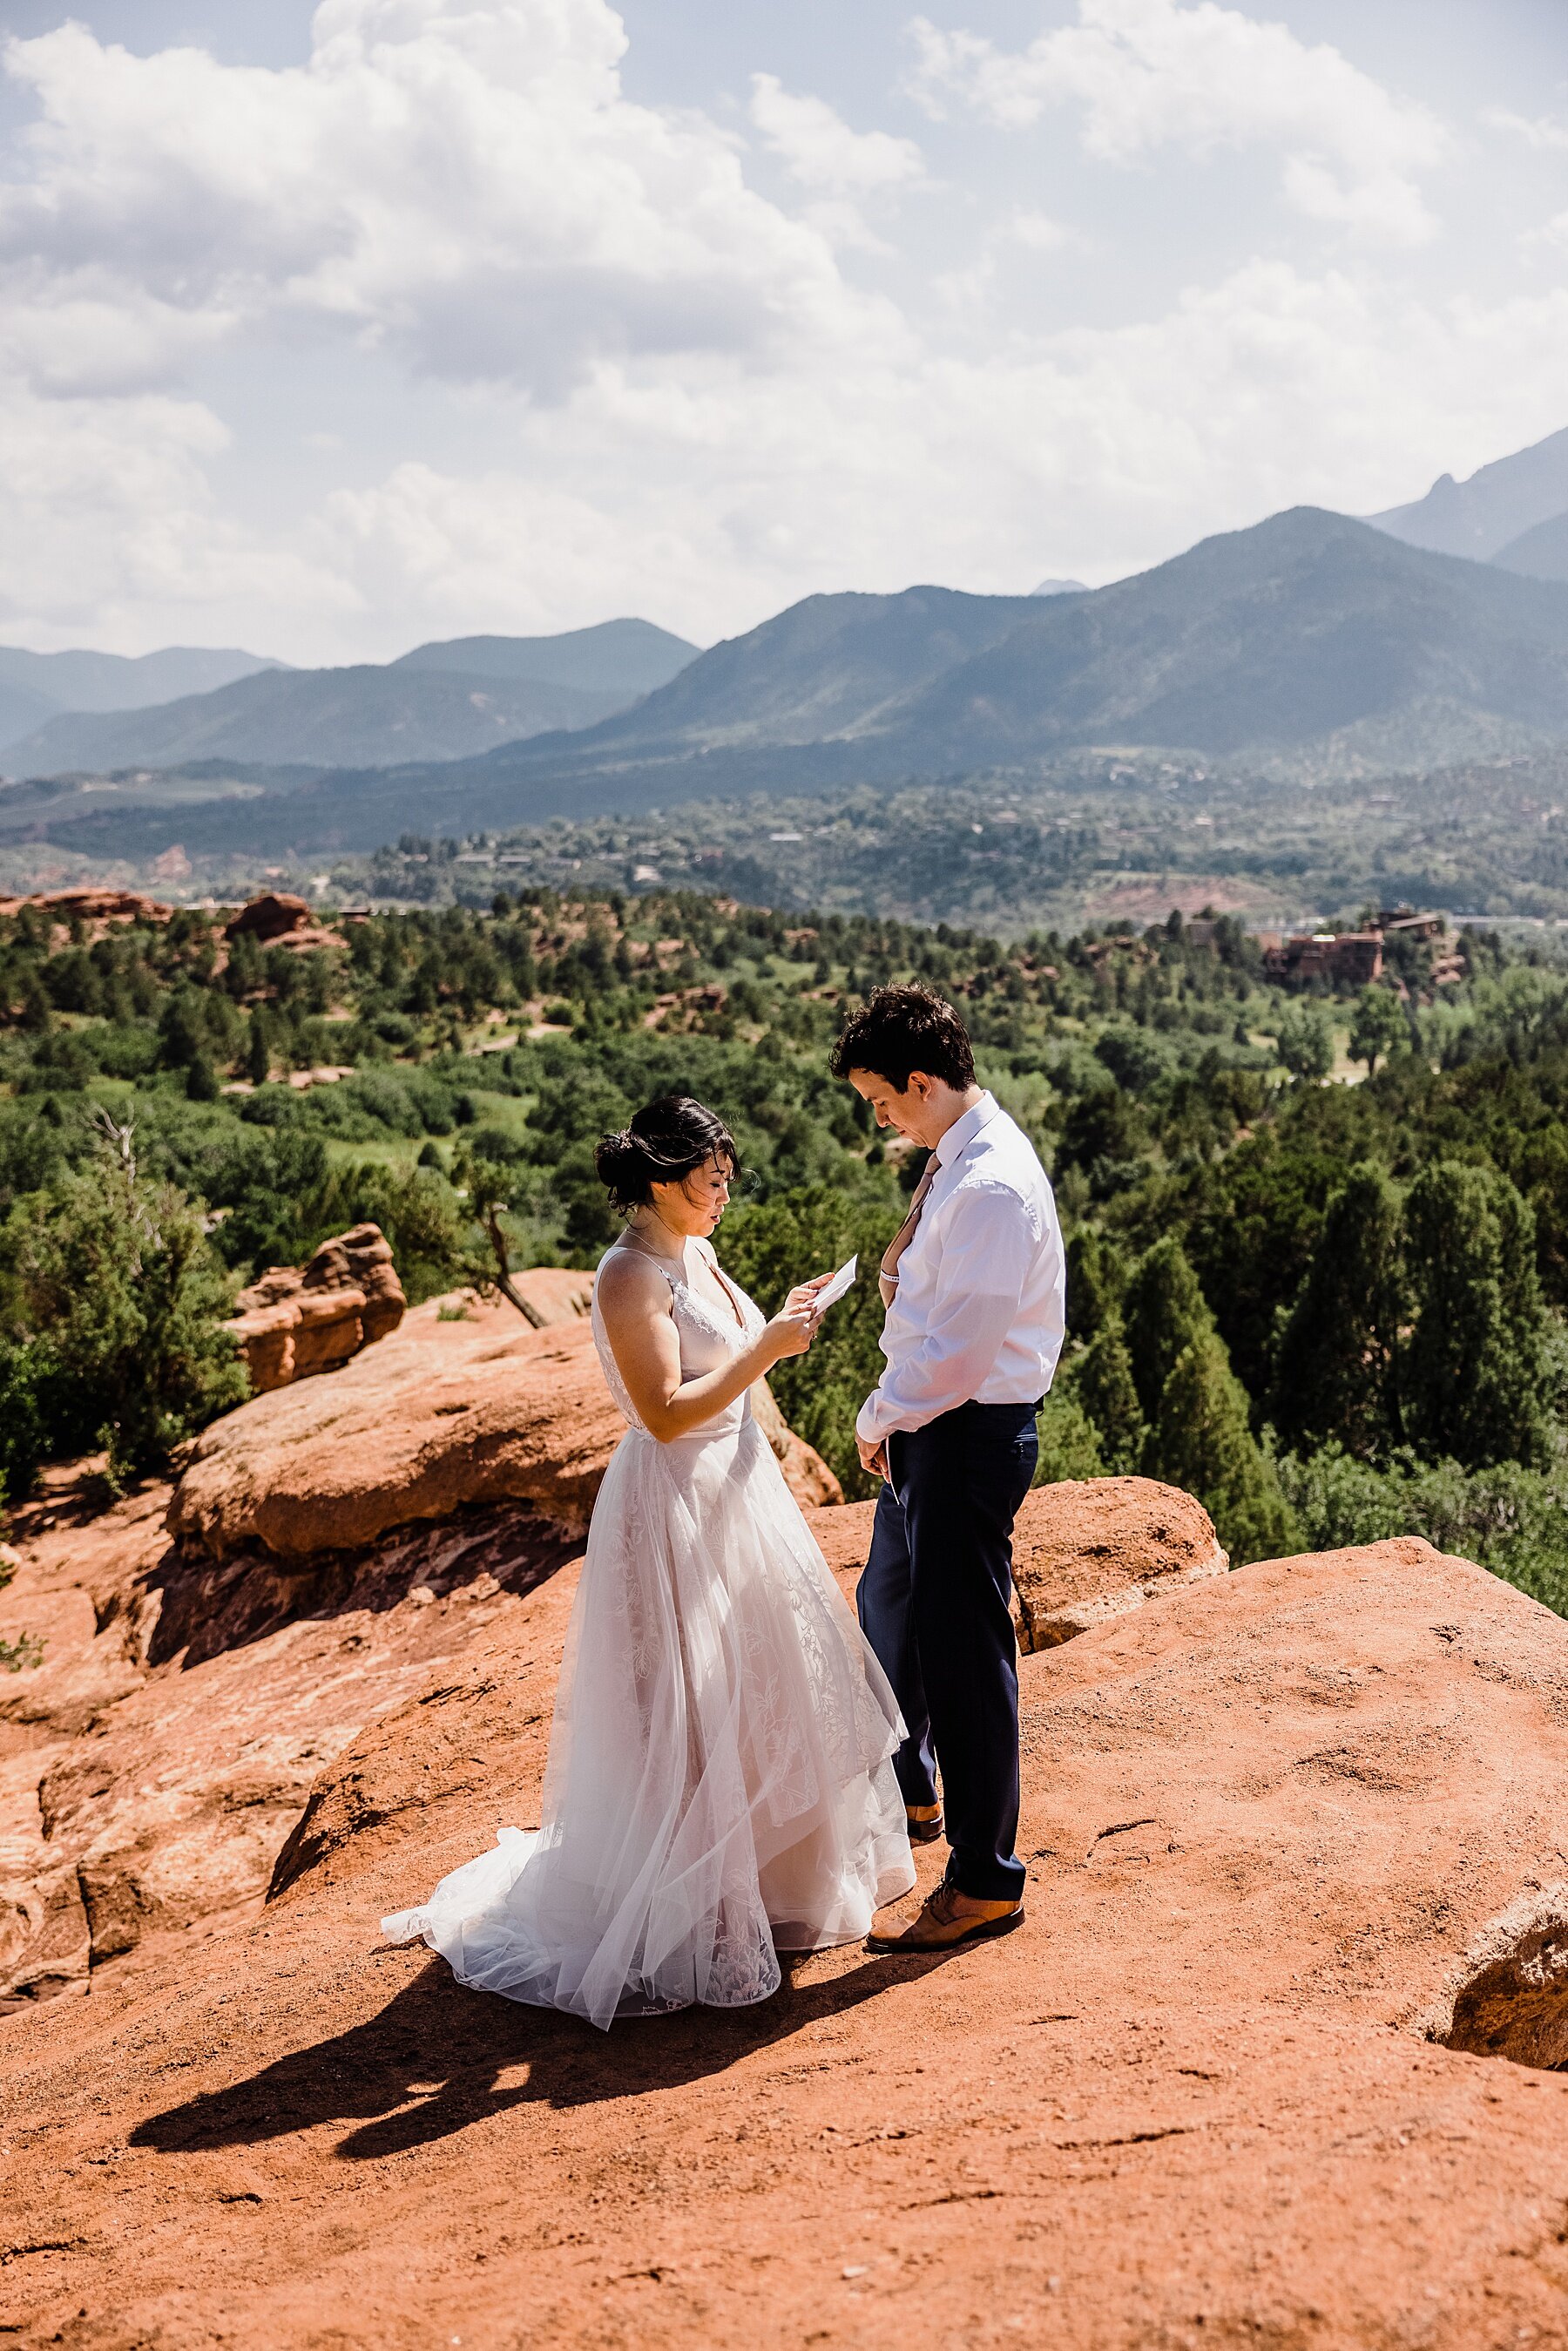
(1087, 1550)
(294, 1320)
(437, 1416)
(552, 1293)
(1298, 1894)
(1295, 1859)
(270, 916)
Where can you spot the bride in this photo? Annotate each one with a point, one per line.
(720, 1785)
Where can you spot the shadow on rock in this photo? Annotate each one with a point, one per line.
(208, 1606)
(430, 2064)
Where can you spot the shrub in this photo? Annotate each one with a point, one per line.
(122, 1298)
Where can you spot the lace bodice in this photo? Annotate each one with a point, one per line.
(709, 1335)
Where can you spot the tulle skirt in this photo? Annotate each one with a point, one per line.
(720, 1785)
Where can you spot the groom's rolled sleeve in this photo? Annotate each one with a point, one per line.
(988, 1244)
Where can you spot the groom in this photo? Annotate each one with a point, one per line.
(973, 1285)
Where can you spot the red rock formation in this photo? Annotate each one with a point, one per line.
(294, 1320)
(92, 905)
(438, 1415)
(270, 916)
(1082, 1552)
(278, 918)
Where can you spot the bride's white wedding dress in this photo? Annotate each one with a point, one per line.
(720, 1785)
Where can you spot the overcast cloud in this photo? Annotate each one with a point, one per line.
(426, 316)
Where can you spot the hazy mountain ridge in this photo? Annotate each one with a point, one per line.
(1540, 552)
(624, 658)
(1281, 638)
(35, 687)
(441, 701)
(1487, 515)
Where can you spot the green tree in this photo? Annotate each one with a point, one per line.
(1096, 1276)
(1378, 1028)
(1202, 1442)
(1304, 1041)
(1163, 1311)
(258, 1050)
(1474, 1370)
(1069, 1441)
(1198, 1433)
(1333, 1378)
(23, 1439)
(124, 1300)
(768, 1249)
(1102, 1381)
(182, 1030)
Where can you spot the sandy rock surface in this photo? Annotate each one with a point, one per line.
(1288, 1831)
(154, 1764)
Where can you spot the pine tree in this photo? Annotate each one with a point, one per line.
(1197, 1432)
(1473, 1369)
(1202, 1442)
(1163, 1311)
(1096, 1278)
(1102, 1381)
(1334, 1379)
(258, 1052)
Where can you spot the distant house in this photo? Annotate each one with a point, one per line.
(1352, 957)
(1403, 922)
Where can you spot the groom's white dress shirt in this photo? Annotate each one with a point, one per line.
(979, 1314)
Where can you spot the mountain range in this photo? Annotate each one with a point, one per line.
(1311, 643)
(440, 701)
(1513, 512)
(38, 686)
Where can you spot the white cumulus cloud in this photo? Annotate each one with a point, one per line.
(602, 372)
(818, 147)
(465, 185)
(1148, 74)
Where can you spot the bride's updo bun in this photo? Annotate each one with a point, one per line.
(665, 1143)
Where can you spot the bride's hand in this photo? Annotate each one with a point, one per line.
(790, 1333)
(801, 1299)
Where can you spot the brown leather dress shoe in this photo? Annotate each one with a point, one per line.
(925, 1821)
(950, 1918)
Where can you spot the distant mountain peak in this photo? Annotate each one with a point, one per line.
(1483, 515)
(626, 657)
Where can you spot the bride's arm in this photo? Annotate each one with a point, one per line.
(634, 1302)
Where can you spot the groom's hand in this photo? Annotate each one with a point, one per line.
(873, 1457)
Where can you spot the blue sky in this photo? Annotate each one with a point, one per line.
(326, 330)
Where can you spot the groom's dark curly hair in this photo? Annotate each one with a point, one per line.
(899, 1031)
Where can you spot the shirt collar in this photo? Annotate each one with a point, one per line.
(962, 1132)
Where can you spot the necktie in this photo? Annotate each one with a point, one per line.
(887, 1278)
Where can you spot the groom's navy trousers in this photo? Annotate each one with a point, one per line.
(934, 1602)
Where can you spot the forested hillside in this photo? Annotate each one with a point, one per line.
(1318, 1245)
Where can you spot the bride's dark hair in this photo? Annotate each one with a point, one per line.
(665, 1143)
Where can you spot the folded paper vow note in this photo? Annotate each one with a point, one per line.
(841, 1281)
